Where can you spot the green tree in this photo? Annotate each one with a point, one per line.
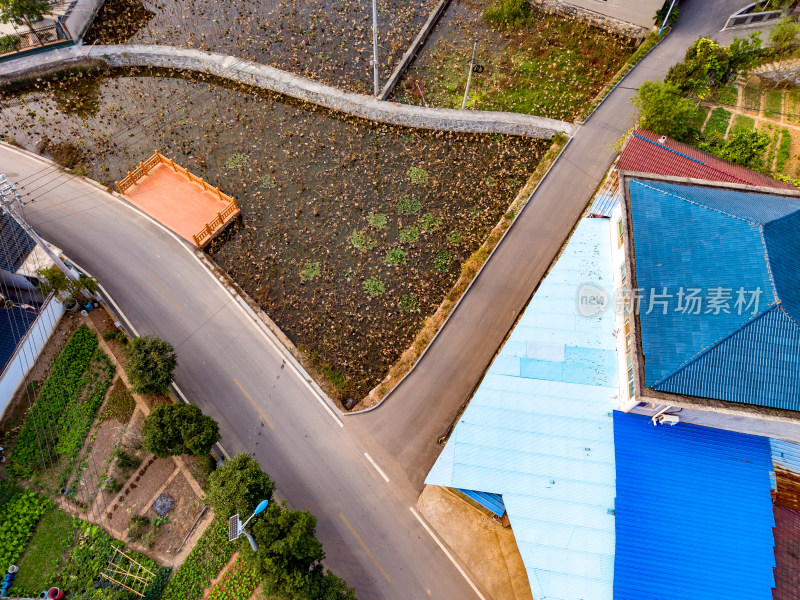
(237, 487)
(289, 556)
(23, 11)
(331, 587)
(663, 110)
(52, 280)
(150, 363)
(784, 34)
(172, 429)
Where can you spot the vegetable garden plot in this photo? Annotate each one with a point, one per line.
(327, 40)
(351, 232)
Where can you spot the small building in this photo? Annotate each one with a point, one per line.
(26, 317)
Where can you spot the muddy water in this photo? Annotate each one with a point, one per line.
(325, 199)
(328, 40)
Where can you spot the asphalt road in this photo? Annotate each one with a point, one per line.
(228, 367)
(403, 432)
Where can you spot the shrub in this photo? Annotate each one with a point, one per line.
(661, 14)
(783, 34)
(707, 64)
(237, 487)
(742, 147)
(111, 485)
(150, 363)
(52, 280)
(124, 460)
(173, 429)
(664, 111)
(8, 43)
(137, 527)
(157, 586)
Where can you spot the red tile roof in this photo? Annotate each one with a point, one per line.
(644, 154)
(787, 554)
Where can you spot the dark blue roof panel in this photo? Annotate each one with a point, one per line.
(15, 244)
(782, 238)
(693, 513)
(14, 324)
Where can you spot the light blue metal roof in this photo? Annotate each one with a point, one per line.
(693, 513)
(539, 429)
(687, 238)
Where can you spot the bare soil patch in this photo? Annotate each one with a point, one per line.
(139, 490)
(181, 517)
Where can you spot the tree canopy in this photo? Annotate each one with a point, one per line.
(150, 363)
(664, 111)
(237, 487)
(172, 429)
(23, 11)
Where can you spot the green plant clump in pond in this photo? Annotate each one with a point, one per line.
(429, 222)
(237, 161)
(408, 205)
(377, 220)
(443, 261)
(68, 377)
(361, 241)
(18, 519)
(408, 303)
(205, 561)
(310, 270)
(374, 287)
(394, 257)
(408, 235)
(418, 175)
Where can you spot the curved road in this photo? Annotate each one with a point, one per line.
(231, 370)
(229, 367)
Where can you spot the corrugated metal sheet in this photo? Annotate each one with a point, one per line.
(494, 502)
(787, 554)
(786, 463)
(14, 324)
(693, 513)
(730, 241)
(643, 154)
(538, 429)
(607, 197)
(16, 246)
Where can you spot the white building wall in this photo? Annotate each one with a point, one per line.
(28, 351)
(637, 12)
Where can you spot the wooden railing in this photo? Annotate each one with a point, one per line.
(225, 216)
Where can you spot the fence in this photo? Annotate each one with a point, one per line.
(747, 16)
(225, 216)
(38, 37)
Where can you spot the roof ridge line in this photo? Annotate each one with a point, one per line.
(705, 164)
(695, 203)
(769, 266)
(713, 345)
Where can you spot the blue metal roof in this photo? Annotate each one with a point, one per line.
(14, 324)
(693, 513)
(16, 244)
(698, 238)
(538, 429)
(607, 197)
(494, 502)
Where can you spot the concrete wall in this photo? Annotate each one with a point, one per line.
(269, 78)
(28, 351)
(633, 18)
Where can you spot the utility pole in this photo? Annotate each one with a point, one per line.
(375, 45)
(10, 197)
(469, 75)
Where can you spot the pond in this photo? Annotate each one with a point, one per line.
(351, 232)
(542, 64)
(327, 40)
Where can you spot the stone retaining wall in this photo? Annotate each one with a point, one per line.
(366, 107)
